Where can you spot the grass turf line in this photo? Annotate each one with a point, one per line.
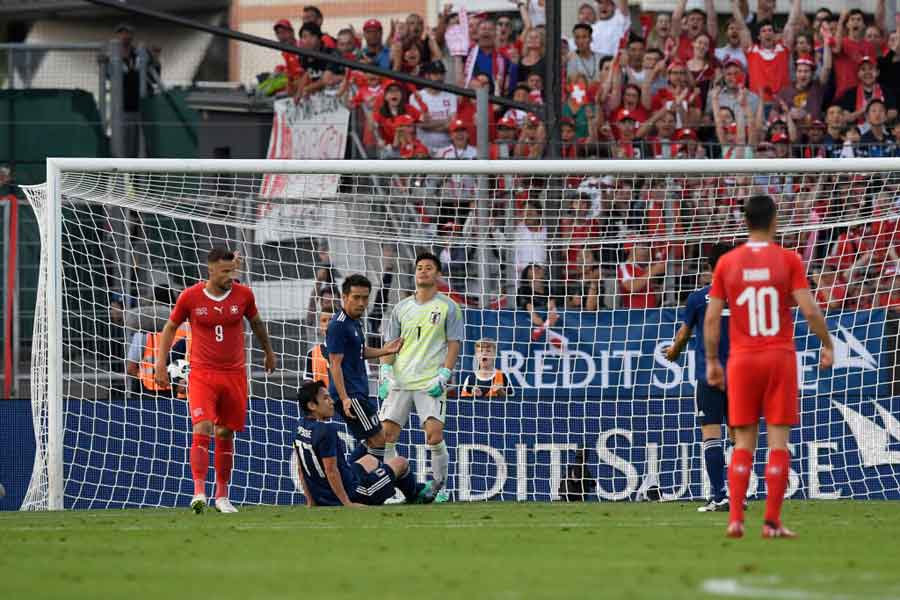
(847, 549)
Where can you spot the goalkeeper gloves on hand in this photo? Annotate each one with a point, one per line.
(437, 385)
(385, 381)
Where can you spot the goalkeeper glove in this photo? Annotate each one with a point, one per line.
(437, 385)
(385, 381)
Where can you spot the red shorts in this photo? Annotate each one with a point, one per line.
(763, 384)
(218, 396)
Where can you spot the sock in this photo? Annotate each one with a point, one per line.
(776, 483)
(224, 461)
(376, 452)
(358, 452)
(738, 480)
(407, 485)
(714, 456)
(390, 451)
(440, 462)
(199, 462)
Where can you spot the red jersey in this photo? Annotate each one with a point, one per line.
(756, 281)
(217, 325)
(645, 298)
(846, 64)
(769, 70)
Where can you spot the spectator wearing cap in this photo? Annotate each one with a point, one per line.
(661, 143)
(679, 96)
(375, 50)
(733, 49)
(459, 147)
(532, 139)
(484, 57)
(583, 60)
(698, 21)
(850, 46)
(733, 82)
(440, 107)
(284, 32)
(628, 145)
(406, 144)
(612, 24)
(768, 60)
(394, 104)
(312, 14)
(782, 144)
(807, 93)
(504, 144)
(814, 141)
(688, 144)
(318, 73)
(856, 100)
(877, 141)
(636, 278)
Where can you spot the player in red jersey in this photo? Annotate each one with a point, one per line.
(760, 281)
(217, 384)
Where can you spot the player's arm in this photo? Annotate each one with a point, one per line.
(391, 333)
(329, 463)
(679, 343)
(810, 311)
(712, 331)
(262, 334)
(165, 344)
(309, 499)
(454, 330)
(337, 378)
(389, 349)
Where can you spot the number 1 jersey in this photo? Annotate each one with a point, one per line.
(757, 281)
(217, 325)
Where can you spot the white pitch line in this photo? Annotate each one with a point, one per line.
(736, 589)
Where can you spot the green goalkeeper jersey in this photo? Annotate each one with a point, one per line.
(425, 329)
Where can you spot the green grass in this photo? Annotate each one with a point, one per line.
(472, 551)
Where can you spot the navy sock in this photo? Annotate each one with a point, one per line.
(407, 485)
(714, 455)
(376, 452)
(358, 452)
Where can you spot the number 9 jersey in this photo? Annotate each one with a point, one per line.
(757, 281)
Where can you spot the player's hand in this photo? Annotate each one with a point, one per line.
(671, 353)
(392, 347)
(826, 358)
(497, 390)
(385, 381)
(161, 375)
(271, 362)
(348, 408)
(715, 375)
(438, 385)
(355, 505)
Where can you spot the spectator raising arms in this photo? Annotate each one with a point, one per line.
(612, 24)
(768, 60)
(485, 58)
(636, 278)
(850, 46)
(695, 21)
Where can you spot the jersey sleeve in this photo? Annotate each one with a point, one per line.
(334, 338)
(182, 308)
(798, 271)
(718, 282)
(456, 326)
(326, 444)
(690, 311)
(251, 311)
(392, 327)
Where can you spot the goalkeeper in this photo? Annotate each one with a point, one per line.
(431, 325)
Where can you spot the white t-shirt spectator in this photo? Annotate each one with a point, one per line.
(536, 13)
(452, 153)
(726, 53)
(608, 33)
(440, 107)
(531, 247)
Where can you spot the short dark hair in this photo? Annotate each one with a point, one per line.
(311, 28)
(584, 26)
(716, 252)
(355, 280)
(428, 256)
(217, 253)
(313, 9)
(874, 101)
(633, 37)
(856, 11)
(656, 51)
(309, 392)
(759, 211)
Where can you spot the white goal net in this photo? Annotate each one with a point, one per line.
(578, 272)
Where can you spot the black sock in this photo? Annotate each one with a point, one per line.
(407, 485)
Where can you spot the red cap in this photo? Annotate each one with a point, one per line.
(457, 124)
(806, 59)
(508, 122)
(686, 133)
(283, 23)
(372, 24)
(780, 137)
(866, 59)
(622, 114)
(676, 64)
(733, 62)
(404, 121)
(567, 121)
(731, 127)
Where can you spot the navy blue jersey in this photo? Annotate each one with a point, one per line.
(693, 318)
(345, 336)
(317, 440)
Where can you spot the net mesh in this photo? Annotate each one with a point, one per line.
(580, 279)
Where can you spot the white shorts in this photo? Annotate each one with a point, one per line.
(399, 403)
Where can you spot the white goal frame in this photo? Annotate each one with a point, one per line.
(52, 225)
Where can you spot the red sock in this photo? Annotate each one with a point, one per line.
(199, 462)
(224, 461)
(738, 479)
(776, 483)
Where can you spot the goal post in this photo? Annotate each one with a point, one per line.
(590, 394)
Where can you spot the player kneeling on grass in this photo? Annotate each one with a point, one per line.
(328, 479)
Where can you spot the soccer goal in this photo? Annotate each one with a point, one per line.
(572, 276)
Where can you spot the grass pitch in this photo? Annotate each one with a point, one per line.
(474, 551)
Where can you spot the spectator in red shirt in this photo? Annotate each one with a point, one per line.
(312, 14)
(507, 133)
(532, 139)
(284, 31)
(631, 101)
(635, 276)
(850, 46)
(856, 99)
(696, 19)
(679, 96)
(701, 67)
(406, 144)
(661, 143)
(831, 290)
(768, 60)
(888, 295)
(628, 145)
(394, 104)
(509, 45)
(688, 144)
(346, 45)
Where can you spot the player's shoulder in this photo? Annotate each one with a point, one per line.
(239, 289)
(450, 302)
(699, 295)
(194, 291)
(405, 303)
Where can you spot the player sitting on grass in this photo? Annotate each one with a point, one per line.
(711, 402)
(326, 476)
(760, 281)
